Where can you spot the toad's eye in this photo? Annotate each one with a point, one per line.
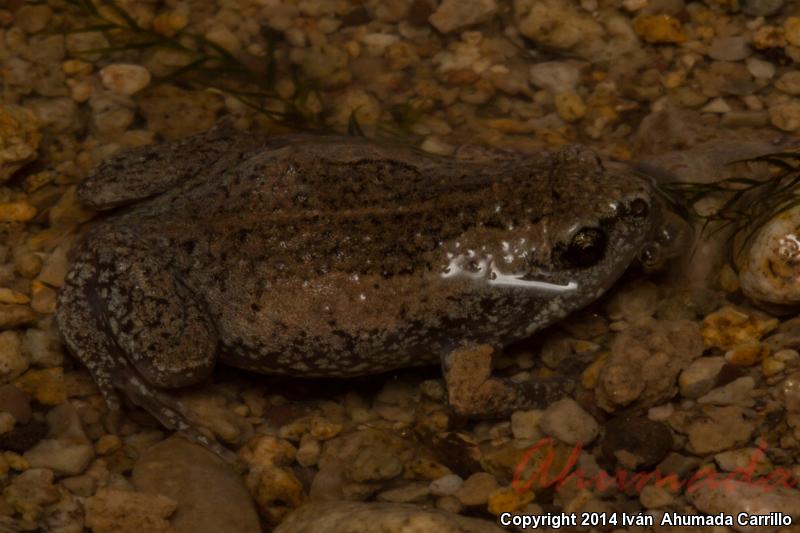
(586, 248)
(638, 208)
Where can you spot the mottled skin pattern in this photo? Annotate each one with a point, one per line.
(329, 256)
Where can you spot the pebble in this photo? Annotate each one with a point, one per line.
(413, 492)
(760, 69)
(636, 442)
(446, 485)
(16, 211)
(570, 106)
(569, 423)
(700, 376)
(762, 8)
(9, 296)
(455, 15)
(729, 327)
(525, 424)
(555, 76)
(120, 511)
(208, 493)
(744, 496)
(791, 30)
(737, 392)
(45, 385)
(655, 497)
(789, 393)
(33, 18)
(19, 139)
(729, 48)
(31, 491)
(645, 361)
(16, 402)
(335, 517)
(476, 489)
(789, 82)
(660, 29)
(12, 360)
(67, 450)
(719, 429)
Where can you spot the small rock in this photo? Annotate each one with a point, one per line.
(8, 296)
(277, 492)
(309, 450)
(719, 429)
(785, 116)
(700, 376)
(476, 489)
(46, 385)
(19, 139)
(738, 496)
(645, 362)
(730, 326)
(119, 511)
(762, 8)
(636, 442)
(525, 424)
(655, 497)
(789, 393)
(30, 491)
(356, 517)
(791, 29)
(55, 267)
(569, 423)
(569, 106)
(760, 69)
(16, 211)
(729, 48)
(16, 402)
(33, 18)
(12, 360)
(67, 450)
(12, 316)
(659, 29)
(753, 460)
(789, 82)
(737, 392)
(413, 492)
(23, 437)
(555, 76)
(446, 485)
(453, 15)
(208, 493)
(768, 36)
(717, 105)
(508, 499)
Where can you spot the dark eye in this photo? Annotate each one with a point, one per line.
(586, 248)
(638, 208)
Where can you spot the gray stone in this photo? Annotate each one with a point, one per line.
(729, 48)
(700, 376)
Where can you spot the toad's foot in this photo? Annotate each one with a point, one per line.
(472, 391)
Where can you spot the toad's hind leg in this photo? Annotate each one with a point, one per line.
(138, 330)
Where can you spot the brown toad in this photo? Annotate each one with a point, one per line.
(311, 255)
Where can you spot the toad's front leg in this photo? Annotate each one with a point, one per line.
(473, 391)
(137, 329)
